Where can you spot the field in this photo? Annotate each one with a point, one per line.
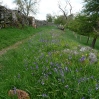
(49, 65)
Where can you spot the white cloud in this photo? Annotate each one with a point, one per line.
(8, 4)
(48, 6)
(51, 6)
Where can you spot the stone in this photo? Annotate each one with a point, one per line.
(92, 57)
(83, 49)
(20, 94)
(61, 27)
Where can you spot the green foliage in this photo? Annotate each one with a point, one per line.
(49, 18)
(91, 9)
(87, 20)
(80, 38)
(91, 6)
(60, 20)
(74, 25)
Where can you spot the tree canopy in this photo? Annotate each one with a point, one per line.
(27, 6)
(87, 21)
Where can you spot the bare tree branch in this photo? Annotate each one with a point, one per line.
(70, 7)
(27, 6)
(63, 11)
(65, 8)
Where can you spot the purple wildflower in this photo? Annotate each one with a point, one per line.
(37, 67)
(83, 98)
(82, 59)
(14, 90)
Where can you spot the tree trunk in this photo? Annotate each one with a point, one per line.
(87, 39)
(93, 42)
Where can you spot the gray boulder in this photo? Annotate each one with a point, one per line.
(92, 57)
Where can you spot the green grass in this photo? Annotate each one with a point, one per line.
(81, 39)
(45, 69)
(9, 36)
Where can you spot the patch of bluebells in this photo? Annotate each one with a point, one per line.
(56, 74)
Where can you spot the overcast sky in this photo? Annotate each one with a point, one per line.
(49, 6)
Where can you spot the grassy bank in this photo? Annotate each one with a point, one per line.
(49, 66)
(81, 39)
(9, 36)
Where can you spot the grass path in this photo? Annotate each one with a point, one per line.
(11, 40)
(3, 51)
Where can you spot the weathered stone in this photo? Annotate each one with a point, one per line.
(82, 49)
(41, 22)
(16, 18)
(12, 18)
(61, 27)
(20, 94)
(92, 58)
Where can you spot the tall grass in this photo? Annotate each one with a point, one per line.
(9, 36)
(49, 66)
(81, 39)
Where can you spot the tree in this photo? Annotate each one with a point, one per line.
(74, 25)
(49, 17)
(85, 25)
(60, 20)
(27, 6)
(87, 22)
(91, 9)
(64, 10)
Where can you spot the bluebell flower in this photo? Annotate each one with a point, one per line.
(82, 59)
(14, 90)
(83, 98)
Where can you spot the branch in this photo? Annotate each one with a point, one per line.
(70, 7)
(63, 11)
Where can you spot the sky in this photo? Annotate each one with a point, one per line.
(49, 7)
